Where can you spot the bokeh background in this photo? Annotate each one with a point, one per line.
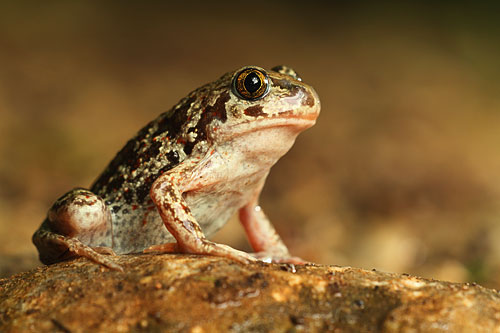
(401, 172)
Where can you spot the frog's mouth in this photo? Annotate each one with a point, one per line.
(289, 120)
(295, 122)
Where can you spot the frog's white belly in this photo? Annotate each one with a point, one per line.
(212, 207)
(212, 211)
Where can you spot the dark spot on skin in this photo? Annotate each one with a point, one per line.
(188, 148)
(173, 121)
(282, 83)
(143, 191)
(287, 71)
(307, 100)
(209, 114)
(254, 111)
(288, 85)
(190, 226)
(116, 182)
(218, 110)
(128, 196)
(173, 157)
(153, 151)
(168, 190)
(164, 169)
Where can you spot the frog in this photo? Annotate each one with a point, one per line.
(186, 173)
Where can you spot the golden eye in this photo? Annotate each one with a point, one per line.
(251, 83)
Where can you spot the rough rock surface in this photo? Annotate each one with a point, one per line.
(206, 294)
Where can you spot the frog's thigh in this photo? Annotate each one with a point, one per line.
(82, 215)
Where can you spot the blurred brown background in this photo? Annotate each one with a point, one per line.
(401, 172)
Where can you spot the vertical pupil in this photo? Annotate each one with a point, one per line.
(252, 83)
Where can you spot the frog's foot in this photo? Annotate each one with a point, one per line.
(98, 255)
(277, 258)
(55, 248)
(203, 247)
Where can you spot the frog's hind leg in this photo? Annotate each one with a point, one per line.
(77, 225)
(55, 248)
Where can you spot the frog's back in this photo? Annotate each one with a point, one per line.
(126, 181)
(153, 151)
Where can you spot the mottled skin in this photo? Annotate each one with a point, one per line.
(184, 175)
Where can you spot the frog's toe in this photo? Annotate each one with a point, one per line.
(269, 257)
(203, 247)
(222, 250)
(102, 260)
(76, 248)
(241, 257)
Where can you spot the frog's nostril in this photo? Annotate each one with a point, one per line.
(287, 71)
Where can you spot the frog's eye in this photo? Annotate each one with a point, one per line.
(251, 84)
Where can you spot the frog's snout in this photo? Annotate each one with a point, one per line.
(299, 96)
(311, 102)
(282, 69)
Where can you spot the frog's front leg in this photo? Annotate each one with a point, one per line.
(77, 225)
(166, 193)
(262, 236)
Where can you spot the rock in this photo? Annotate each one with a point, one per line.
(207, 294)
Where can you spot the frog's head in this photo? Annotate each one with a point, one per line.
(250, 110)
(271, 98)
(258, 113)
(273, 103)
